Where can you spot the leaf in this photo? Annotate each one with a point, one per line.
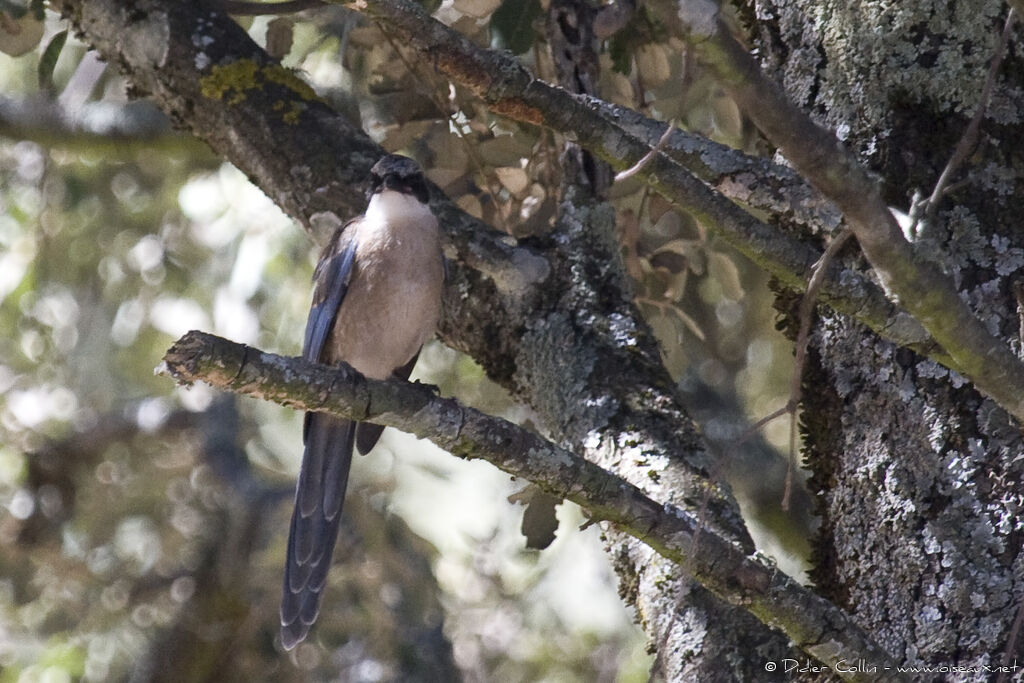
(48, 61)
(471, 205)
(540, 524)
(653, 65)
(617, 88)
(728, 119)
(512, 25)
(514, 179)
(642, 29)
(15, 9)
(504, 150)
(724, 270)
(478, 9)
(280, 32)
(19, 35)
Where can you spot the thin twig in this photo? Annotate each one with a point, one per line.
(639, 166)
(1011, 641)
(471, 151)
(969, 139)
(243, 8)
(754, 428)
(806, 310)
(805, 314)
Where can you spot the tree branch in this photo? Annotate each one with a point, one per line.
(98, 126)
(509, 89)
(969, 140)
(817, 626)
(243, 8)
(919, 285)
(667, 600)
(315, 147)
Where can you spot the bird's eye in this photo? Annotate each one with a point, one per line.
(418, 189)
(375, 183)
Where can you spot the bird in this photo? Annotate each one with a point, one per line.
(376, 299)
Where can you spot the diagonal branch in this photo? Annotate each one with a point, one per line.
(113, 129)
(919, 285)
(242, 8)
(510, 90)
(969, 140)
(311, 161)
(817, 626)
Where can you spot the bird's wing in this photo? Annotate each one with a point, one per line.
(367, 434)
(320, 490)
(331, 278)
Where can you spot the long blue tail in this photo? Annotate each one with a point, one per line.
(319, 495)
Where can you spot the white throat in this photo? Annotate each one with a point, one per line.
(389, 206)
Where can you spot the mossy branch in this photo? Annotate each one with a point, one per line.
(816, 625)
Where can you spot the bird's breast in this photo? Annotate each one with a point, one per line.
(394, 299)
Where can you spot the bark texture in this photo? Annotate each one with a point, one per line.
(693, 633)
(919, 477)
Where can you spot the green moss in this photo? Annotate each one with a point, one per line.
(275, 73)
(232, 82)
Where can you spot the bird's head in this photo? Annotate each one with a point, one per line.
(398, 173)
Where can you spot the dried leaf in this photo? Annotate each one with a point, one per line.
(724, 270)
(668, 225)
(540, 523)
(280, 33)
(727, 117)
(443, 177)
(653, 65)
(449, 150)
(514, 179)
(49, 60)
(617, 88)
(476, 8)
(471, 205)
(19, 35)
(504, 150)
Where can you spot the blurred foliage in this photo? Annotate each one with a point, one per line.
(512, 25)
(124, 535)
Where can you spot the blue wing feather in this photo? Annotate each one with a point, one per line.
(332, 278)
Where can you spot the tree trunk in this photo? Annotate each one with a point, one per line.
(919, 477)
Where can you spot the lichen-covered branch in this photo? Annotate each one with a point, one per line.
(915, 282)
(210, 78)
(311, 161)
(814, 624)
(509, 89)
(668, 602)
